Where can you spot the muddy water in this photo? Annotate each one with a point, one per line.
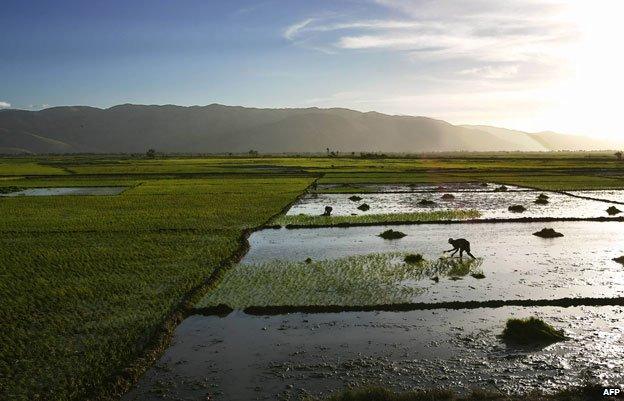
(67, 191)
(453, 187)
(516, 264)
(612, 195)
(242, 357)
(490, 204)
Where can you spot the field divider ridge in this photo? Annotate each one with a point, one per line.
(222, 310)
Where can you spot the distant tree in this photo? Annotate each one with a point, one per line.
(253, 152)
(619, 155)
(150, 154)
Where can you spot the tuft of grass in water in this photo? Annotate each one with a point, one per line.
(364, 207)
(516, 208)
(619, 259)
(531, 331)
(392, 234)
(612, 210)
(426, 202)
(374, 279)
(547, 233)
(355, 198)
(434, 215)
(413, 258)
(448, 197)
(541, 201)
(502, 188)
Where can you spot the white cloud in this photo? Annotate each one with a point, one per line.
(294, 29)
(485, 30)
(541, 64)
(5, 105)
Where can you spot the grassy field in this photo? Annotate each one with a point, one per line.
(372, 279)
(87, 282)
(329, 221)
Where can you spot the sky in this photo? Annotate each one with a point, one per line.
(532, 65)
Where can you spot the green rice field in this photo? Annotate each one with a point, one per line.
(92, 286)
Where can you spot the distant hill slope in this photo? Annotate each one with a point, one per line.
(547, 140)
(217, 128)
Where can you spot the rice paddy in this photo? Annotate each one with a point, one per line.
(92, 285)
(371, 279)
(328, 221)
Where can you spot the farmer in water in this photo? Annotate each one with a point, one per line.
(462, 245)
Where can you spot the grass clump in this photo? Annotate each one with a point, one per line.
(392, 234)
(531, 331)
(413, 258)
(619, 259)
(516, 208)
(612, 210)
(547, 233)
(355, 198)
(541, 201)
(329, 221)
(364, 207)
(502, 188)
(426, 202)
(448, 197)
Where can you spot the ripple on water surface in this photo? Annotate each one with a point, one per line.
(243, 357)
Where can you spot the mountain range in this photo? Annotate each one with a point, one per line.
(217, 128)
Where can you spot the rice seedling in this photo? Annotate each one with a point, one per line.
(354, 280)
(516, 208)
(413, 258)
(364, 207)
(322, 221)
(612, 210)
(392, 234)
(548, 233)
(619, 259)
(531, 331)
(426, 202)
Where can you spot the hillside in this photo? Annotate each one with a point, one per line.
(217, 128)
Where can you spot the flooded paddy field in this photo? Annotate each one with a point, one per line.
(60, 191)
(511, 264)
(241, 357)
(398, 188)
(610, 195)
(489, 204)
